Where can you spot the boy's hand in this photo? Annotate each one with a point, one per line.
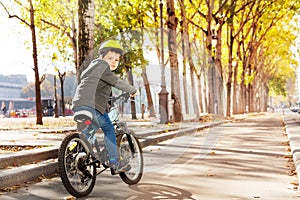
(135, 94)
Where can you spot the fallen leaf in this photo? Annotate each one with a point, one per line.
(69, 198)
(209, 174)
(294, 183)
(288, 156)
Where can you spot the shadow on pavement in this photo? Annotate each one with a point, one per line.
(159, 191)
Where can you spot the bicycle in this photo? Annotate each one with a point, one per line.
(81, 158)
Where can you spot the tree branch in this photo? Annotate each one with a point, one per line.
(199, 27)
(18, 2)
(42, 78)
(14, 16)
(197, 10)
(51, 24)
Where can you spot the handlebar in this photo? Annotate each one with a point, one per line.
(125, 96)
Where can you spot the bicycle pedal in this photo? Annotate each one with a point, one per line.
(98, 163)
(87, 174)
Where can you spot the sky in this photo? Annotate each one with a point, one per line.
(16, 49)
(15, 56)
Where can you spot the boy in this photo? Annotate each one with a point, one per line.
(94, 90)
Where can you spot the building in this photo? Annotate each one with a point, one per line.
(11, 86)
(10, 92)
(11, 89)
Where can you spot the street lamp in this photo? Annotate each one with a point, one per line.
(55, 94)
(163, 94)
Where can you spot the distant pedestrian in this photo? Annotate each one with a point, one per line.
(4, 110)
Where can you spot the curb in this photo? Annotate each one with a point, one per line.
(30, 156)
(27, 173)
(293, 134)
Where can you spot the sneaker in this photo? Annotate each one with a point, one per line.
(122, 166)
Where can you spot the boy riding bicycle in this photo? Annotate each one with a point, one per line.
(94, 91)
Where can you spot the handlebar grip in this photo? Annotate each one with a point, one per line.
(126, 97)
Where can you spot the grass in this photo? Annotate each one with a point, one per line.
(30, 123)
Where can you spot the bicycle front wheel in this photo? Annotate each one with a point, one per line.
(76, 167)
(130, 151)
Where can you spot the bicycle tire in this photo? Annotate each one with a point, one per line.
(69, 159)
(133, 154)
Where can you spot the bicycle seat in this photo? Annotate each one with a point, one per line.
(83, 116)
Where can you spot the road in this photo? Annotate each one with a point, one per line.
(246, 159)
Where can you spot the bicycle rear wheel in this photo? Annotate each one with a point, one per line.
(130, 150)
(77, 175)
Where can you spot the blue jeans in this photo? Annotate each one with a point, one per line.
(108, 129)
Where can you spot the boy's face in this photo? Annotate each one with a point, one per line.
(113, 59)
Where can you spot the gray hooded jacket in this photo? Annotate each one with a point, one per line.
(94, 88)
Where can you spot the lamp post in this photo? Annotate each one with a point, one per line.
(163, 94)
(55, 94)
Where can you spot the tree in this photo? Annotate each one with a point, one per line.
(187, 56)
(86, 34)
(266, 16)
(232, 35)
(29, 9)
(59, 26)
(244, 59)
(172, 45)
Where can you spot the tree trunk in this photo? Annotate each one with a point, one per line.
(38, 101)
(235, 88)
(194, 92)
(211, 59)
(185, 86)
(85, 35)
(73, 39)
(85, 38)
(200, 93)
(175, 82)
(219, 74)
(205, 77)
(230, 72)
(132, 103)
(266, 97)
(185, 46)
(148, 93)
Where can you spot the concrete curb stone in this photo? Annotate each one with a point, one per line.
(29, 156)
(293, 134)
(15, 176)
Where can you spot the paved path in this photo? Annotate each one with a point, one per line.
(25, 166)
(237, 161)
